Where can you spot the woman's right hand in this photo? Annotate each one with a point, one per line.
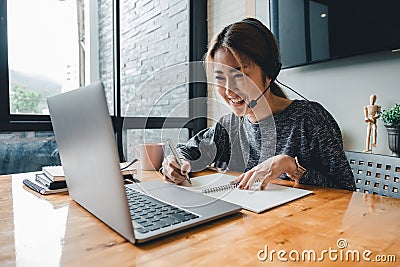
(173, 173)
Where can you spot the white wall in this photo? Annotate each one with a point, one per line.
(342, 86)
(223, 12)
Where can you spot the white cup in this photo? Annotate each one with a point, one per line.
(150, 155)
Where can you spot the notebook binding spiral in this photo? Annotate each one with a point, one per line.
(223, 187)
(219, 188)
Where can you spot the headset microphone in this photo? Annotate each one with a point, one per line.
(253, 102)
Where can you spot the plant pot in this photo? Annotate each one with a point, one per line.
(394, 140)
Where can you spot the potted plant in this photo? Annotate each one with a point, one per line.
(391, 119)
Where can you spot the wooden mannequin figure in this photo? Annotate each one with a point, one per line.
(371, 114)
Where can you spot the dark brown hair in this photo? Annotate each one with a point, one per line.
(249, 39)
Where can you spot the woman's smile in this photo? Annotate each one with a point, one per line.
(236, 101)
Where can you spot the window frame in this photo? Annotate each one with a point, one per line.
(197, 47)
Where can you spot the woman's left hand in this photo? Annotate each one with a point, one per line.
(267, 171)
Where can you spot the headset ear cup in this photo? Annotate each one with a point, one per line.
(277, 70)
(274, 71)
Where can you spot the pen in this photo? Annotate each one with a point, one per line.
(258, 186)
(256, 189)
(34, 186)
(178, 160)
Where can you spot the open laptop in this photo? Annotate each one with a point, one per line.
(88, 152)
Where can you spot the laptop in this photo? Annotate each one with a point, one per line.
(138, 212)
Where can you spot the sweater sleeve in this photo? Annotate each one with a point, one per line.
(328, 164)
(208, 146)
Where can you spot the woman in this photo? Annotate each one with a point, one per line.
(267, 135)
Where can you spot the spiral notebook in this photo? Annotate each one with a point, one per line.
(218, 186)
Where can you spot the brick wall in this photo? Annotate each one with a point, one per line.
(105, 17)
(154, 36)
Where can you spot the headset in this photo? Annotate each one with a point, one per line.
(273, 68)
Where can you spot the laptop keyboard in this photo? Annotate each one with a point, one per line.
(152, 214)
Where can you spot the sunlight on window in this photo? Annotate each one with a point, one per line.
(43, 52)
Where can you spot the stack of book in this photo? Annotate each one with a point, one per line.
(50, 181)
(52, 177)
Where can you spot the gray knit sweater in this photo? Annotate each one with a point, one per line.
(304, 129)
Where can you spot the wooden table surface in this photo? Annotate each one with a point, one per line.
(337, 225)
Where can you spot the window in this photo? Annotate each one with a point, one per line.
(27, 151)
(49, 46)
(43, 52)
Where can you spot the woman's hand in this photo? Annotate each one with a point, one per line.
(267, 171)
(173, 173)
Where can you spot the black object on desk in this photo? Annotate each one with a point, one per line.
(42, 189)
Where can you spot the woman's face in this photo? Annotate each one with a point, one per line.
(236, 85)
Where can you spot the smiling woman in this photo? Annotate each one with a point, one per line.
(267, 136)
(240, 86)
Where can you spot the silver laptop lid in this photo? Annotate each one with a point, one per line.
(81, 124)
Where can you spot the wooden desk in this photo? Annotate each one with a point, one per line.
(63, 233)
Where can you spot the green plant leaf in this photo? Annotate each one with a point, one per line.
(391, 117)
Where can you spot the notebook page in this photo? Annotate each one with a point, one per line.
(256, 201)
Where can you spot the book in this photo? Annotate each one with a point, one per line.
(44, 180)
(127, 168)
(56, 173)
(219, 186)
(35, 186)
